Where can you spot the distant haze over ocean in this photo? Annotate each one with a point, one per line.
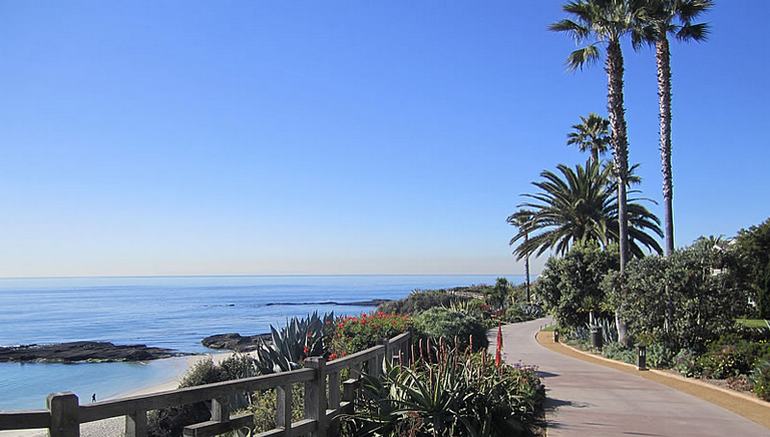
(172, 312)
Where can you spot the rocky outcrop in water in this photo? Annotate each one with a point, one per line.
(234, 342)
(79, 351)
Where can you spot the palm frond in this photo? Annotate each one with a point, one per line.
(580, 205)
(582, 57)
(693, 32)
(689, 10)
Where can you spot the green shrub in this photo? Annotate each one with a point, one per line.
(264, 407)
(722, 363)
(500, 295)
(730, 356)
(685, 300)
(169, 422)
(752, 248)
(522, 312)
(476, 308)
(760, 378)
(354, 334)
(570, 285)
(420, 301)
(443, 322)
(616, 351)
(459, 395)
(686, 363)
(660, 356)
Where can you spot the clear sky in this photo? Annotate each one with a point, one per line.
(274, 137)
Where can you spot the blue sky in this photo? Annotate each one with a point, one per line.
(332, 137)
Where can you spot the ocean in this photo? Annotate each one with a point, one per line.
(171, 312)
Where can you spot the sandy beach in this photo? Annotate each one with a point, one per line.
(114, 427)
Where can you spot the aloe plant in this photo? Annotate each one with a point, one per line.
(459, 394)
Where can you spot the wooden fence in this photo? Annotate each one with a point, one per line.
(326, 397)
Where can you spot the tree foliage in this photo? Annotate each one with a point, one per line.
(446, 323)
(570, 285)
(591, 135)
(752, 248)
(700, 284)
(500, 294)
(581, 205)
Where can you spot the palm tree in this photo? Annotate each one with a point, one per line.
(581, 205)
(606, 22)
(521, 219)
(675, 17)
(591, 135)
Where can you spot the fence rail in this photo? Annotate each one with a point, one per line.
(326, 397)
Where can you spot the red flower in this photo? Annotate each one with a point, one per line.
(306, 350)
(332, 356)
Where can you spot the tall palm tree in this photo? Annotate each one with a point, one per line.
(591, 135)
(606, 22)
(521, 220)
(581, 205)
(674, 17)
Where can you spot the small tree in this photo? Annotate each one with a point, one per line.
(752, 249)
(570, 286)
(499, 295)
(700, 283)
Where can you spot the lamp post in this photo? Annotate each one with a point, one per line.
(641, 358)
(597, 338)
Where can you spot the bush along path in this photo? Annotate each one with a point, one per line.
(590, 399)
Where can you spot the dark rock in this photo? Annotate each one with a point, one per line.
(234, 342)
(83, 351)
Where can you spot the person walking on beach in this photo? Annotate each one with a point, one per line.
(93, 397)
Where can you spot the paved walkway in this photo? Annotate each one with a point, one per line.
(585, 399)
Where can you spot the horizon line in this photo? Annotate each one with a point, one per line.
(246, 275)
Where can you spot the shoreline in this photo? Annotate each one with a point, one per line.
(115, 426)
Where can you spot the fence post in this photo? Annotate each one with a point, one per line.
(220, 410)
(315, 395)
(136, 424)
(65, 418)
(388, 350)
(334, 390)
(373, 365)
(355, 371)
(283, 408)
(406, 347)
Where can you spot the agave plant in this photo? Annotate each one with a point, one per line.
(609, 330)
(301, 338)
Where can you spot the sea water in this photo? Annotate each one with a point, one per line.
(170, 312)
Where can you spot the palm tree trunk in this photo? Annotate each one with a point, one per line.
(526, 272)
(663, 58)
(619, 139)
